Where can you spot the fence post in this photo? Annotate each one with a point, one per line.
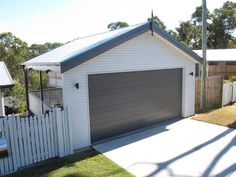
(59, 133)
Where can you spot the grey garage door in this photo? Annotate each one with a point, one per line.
(124, 102)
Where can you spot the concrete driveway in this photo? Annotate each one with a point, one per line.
(186, 148)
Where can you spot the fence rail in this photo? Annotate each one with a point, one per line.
(225, 70)
(34, 139)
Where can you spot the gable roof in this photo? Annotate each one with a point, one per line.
(5, 77)
(219, 54)
(81, 50)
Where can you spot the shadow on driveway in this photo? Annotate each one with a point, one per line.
(164, 165)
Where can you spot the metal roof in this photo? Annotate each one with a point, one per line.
(219, 54)
(5, 77)
(80, 50)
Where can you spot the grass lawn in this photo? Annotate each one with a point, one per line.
(225, 116)
(85, 164)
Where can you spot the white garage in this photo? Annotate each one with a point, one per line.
(121, 81)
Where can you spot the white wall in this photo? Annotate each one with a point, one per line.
(35, 104)
(144, 52)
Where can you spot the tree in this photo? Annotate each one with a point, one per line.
(221, 24)
(190, 34)
(158, 22)
(13, 51)
(117, 25)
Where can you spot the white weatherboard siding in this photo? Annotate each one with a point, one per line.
(145, 52)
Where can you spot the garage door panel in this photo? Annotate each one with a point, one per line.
(121, 85)
(135, 106)
(124, 102)
(124, 81)
(133, 95)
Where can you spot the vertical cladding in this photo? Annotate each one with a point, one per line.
(144, 52)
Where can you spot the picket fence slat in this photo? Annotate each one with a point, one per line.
(41, 137)
(20, 143)
(47, 138)
(28, 141)
(53, 152)
(45, 151)
(32, 137)
(9, 161)
(55, 120)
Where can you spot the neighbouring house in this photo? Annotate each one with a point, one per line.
(220, 62)
(6, 81)
(120, 81)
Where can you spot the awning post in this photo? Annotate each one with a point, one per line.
(41, 89)
(26, 88)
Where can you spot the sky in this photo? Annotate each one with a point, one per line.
(40, 21)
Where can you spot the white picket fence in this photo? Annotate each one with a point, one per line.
(34, 139)
(229, 93)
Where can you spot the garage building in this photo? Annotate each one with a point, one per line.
(121, 81)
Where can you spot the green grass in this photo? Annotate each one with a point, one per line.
(84, 164)
(225, 116)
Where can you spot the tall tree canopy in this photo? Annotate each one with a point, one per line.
(13, 51)
(220, 27)
(117, 25)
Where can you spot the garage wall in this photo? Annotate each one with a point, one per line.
(145, 52)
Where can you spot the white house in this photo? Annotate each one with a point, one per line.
(5, 82)
(120, 81)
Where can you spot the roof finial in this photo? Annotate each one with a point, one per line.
(151, 23)
(152, 16)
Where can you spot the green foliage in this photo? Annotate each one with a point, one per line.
(190, 34)
(13, 51)
(221, 25)
(158, 22)
(18, 92)
(117, 25)
(34, 83)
